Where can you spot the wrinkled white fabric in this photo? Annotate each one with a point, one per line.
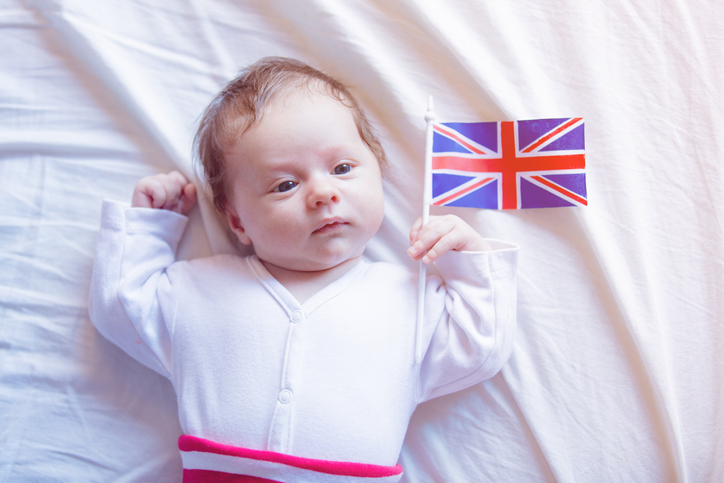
(616, 371)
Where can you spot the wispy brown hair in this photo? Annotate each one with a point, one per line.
(241, 104)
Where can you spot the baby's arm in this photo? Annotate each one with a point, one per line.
(168, 191)
(131, 282)
(442, 234)
(470, 311)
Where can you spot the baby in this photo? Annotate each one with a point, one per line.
(296, 363)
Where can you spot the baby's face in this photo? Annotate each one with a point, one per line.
(306, 189)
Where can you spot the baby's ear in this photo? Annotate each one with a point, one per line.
(235, 225)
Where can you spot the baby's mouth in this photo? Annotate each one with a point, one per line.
(330, 225)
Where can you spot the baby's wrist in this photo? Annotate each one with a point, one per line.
(476, 244)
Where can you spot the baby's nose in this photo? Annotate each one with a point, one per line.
(323, 192)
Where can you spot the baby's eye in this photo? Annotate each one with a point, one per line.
(343, 168)
(285, 186)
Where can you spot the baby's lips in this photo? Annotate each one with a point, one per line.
(330, 221)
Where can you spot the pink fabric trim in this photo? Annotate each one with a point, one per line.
(342, 468)
(208, 476)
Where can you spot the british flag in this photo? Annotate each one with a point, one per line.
(509, 164)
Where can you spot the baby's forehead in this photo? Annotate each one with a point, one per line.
(297, 94)
(241, 118)
(291, 112)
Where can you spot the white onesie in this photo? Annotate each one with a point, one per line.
(275, 389)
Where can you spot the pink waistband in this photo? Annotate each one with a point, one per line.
(205, 461)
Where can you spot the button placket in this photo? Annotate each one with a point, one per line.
(281, 427)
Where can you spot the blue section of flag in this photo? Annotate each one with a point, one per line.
(443, 144)
(442, 183)
(530, 131)
(485, 197)
(533, 196)
(483, 133)
(571, 141)
(573, 182)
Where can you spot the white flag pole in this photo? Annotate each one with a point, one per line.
(426, 202)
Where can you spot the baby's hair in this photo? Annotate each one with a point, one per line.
(242, 103)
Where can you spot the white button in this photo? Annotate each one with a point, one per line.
(296, 316)
(285, 396)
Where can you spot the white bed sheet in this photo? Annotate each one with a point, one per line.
(616, 373)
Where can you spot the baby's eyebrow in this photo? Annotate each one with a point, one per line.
(326, 154)
(336, 153)
(281, 164)
(286, 163)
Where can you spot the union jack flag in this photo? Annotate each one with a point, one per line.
(509, 164)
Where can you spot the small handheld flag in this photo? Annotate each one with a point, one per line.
(538, 163)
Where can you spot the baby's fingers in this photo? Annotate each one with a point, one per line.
(415, 230)
(164, 191)
(436, 237)
(149, 193)
(442, 234)
(442, 245)
(188, 199)
(173, 185)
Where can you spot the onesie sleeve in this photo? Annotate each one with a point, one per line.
(134, 248)
(473, 311)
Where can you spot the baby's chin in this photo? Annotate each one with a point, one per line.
(329, 256)
(319, 266)
(311, 266)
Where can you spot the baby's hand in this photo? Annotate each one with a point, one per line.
(442, 234)
(168, 191)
